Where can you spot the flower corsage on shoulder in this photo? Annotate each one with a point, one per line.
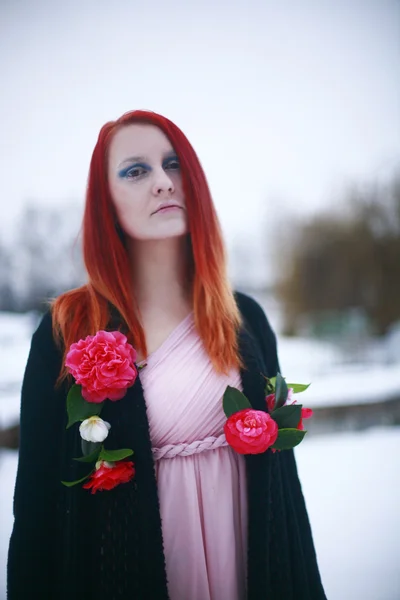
(103, 366)
(279, 427)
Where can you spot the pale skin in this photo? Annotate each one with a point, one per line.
(156, 238)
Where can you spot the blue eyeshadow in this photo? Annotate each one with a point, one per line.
(125, 171)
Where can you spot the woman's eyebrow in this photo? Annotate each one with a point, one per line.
(133, 159)
(145, 158)
(169, 153)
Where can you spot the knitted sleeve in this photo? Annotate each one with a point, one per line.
(297, 520)
(292, 542)
(33, 549)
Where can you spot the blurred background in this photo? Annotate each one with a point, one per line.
(294, 110)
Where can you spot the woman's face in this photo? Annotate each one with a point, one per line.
(146, 183)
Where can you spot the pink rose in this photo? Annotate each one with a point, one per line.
(103, 364)
(306, 413)
(250, 431)
(108, 475)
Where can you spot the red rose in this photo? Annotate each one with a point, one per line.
(270, 400)
(103, 364)
(250, 431)
(110, 474)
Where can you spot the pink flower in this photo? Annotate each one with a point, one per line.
(270, 400)
(103, 365)
(110, 474)
(306, 413)
(250, 431)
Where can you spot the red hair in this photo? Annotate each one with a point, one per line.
(86, 310)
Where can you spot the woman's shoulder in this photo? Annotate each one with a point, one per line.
(43, 334)
(44, 324)
(44, 341)
(259, 327)
(251, 310)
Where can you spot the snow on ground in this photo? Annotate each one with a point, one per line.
(350, 484)
(15, 333)
(354, 385)
(8, 470)
(350, 481)
(15, 337)
(335, 381)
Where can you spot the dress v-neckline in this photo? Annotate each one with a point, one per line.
(167, 340)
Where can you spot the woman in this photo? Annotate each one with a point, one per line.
(198, 521)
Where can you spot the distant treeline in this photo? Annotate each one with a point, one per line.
(43, 259)
(344, 259)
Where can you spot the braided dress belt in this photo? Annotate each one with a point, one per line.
(172, 450)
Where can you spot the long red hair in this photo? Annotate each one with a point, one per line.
(86, 310)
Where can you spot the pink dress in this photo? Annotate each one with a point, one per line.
(201, 480)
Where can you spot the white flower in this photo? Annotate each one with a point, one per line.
(94, 429)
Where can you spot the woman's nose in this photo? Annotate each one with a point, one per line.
(163, 184)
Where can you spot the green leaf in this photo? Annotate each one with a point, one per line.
(77, 407)
(114, 455)
(71, 483)
(287, 416)
(288, 438)
(89, 457)
(269, 386)
(273, 381)
(298, 387)
(233, 401)
(281, 391)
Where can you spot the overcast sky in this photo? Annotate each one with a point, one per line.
(284, 101)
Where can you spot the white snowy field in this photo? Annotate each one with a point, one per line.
(334, 379)
(349, 479)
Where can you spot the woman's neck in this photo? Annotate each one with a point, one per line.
(161, 278)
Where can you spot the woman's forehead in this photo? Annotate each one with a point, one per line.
(138, 140)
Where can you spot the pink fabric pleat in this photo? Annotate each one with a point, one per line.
(203, 498)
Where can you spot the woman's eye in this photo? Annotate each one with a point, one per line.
(173, 165)
(135, 172)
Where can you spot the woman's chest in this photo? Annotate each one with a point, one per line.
(184, 398)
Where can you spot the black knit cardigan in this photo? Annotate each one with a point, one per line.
(69, 544)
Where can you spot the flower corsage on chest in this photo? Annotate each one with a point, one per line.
(279, 427)
(103, 367)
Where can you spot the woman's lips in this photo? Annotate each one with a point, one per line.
(168, 208)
